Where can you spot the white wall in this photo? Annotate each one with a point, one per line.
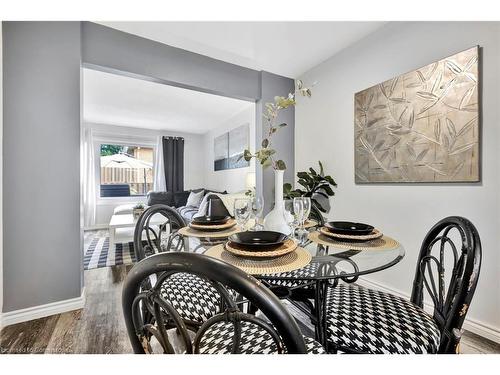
(193, 168)
(232, 180)
(325, 131)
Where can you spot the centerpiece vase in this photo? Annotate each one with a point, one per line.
(275, 220)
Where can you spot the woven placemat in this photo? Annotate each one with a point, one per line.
(228, 224)
(384, 243)
(292, 261)
(286, 247)
(310, 223)
(190, 232)
(339, 237)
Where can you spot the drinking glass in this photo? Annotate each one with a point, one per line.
(292, 214)
(257, 204)
(242, 210)
(305, 205)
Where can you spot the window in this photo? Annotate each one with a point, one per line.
(125, 170)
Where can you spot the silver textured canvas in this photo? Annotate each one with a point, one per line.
(422, 126)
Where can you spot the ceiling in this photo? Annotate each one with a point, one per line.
(285, 48)
(119, 100)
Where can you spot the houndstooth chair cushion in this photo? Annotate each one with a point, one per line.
(308, 271)
(218, 339)
(193, 298)
(370, 321)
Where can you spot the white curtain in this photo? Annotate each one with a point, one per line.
(89, 187)
(159, 180)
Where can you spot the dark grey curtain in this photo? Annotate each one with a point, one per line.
(173, 162)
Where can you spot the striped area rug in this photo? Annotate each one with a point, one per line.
(97, 253)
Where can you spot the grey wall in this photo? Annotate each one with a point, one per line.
(404, 211)
(41, 163)
(112, 50)
(42, 60)
(271, 86)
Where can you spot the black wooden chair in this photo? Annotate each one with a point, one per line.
(193, 298)
(154, 323)
(361, 320)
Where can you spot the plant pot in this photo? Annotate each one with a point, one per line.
(274, 220)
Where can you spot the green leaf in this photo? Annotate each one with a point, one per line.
(265, 142)
(303, 175)
(328, 190)
(330, 180)
(313, 172)
(287, 188)
(321, 170)
(280, 165)
(247, 155)
(303, 183)
(266, 163)
(282, 125)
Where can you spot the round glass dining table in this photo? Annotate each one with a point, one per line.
(306, 287)
(328, 262)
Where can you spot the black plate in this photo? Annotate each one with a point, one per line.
(210, 220)
(258, 240)
(346, 227)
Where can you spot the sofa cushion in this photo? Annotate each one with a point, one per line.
(195, 199)
(180, 198)
(124, 209)
(160, 197)
(187, 212)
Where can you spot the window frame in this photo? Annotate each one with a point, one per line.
(120, 141)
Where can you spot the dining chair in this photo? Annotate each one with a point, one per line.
(154, 323)
(194, 299)
(361, 320)
(152, 238)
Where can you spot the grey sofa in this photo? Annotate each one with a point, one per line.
(179, 199)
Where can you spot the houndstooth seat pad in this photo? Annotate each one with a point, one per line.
(218, 339)
(308, 271)
(194, 299)
(370, 321)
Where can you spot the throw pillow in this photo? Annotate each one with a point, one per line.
(180, 198)
(194, 199)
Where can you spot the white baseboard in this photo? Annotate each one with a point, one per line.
(96, 227)
(37, 312)
(471, 325)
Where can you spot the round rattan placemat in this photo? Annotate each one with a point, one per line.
(190, 232)
(310, 223)
(339, 237)
(229, 224)
(292, 261)
(383, 243)
(287, 247)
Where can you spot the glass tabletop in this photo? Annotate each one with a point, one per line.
(330, 262)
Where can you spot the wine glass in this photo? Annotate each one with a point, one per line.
(242, 210)
(257, 204)
(292, 214)
(305, 205)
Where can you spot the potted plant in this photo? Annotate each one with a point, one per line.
(138, 209)
(267, 157)
(314, 185)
